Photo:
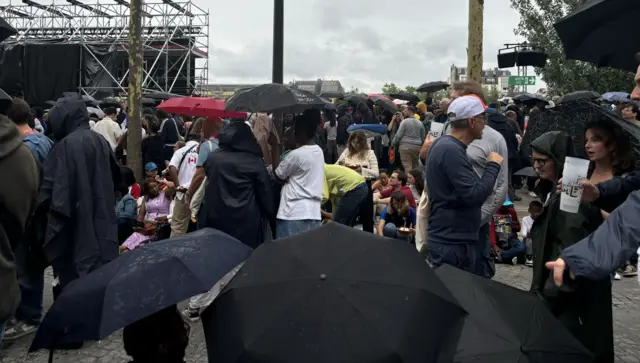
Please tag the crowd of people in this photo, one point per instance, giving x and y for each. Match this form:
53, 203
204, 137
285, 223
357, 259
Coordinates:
75, 204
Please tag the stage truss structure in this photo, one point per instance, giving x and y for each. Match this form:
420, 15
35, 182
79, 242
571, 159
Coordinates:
175, 37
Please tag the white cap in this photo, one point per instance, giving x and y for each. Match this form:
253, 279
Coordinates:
466, 107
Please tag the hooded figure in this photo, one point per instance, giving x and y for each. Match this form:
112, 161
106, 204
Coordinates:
78, 189
18, 197
238, 197
583, 307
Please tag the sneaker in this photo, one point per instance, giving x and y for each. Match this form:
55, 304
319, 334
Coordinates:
630, 271
514, 261
533, 195
617, 277
529, 262
193, 315
19, 330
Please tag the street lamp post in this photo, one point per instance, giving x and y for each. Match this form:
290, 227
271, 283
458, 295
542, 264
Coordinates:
278, 41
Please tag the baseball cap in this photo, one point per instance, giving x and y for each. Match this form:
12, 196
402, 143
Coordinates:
466, 107
150, 166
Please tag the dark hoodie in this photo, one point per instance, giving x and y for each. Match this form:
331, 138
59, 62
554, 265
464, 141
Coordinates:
500, 123
78, 189
344, 121
18, 197
239, 197
585, 306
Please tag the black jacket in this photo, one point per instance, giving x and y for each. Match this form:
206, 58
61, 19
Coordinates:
615, 191
501, 124
78, 188
239, 197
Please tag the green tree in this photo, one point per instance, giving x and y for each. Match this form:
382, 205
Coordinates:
438, 96
354, 90
390, 88
561, 75
411, 89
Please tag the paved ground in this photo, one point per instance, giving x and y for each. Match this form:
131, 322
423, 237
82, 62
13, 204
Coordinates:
626, 300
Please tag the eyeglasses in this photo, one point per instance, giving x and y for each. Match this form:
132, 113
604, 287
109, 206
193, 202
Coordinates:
483, 116
540, 161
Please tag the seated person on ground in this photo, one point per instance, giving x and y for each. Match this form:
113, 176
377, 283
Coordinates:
398, 219
507, 248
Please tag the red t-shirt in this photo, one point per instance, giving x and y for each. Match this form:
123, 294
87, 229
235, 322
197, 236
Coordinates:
135, 191
405, 190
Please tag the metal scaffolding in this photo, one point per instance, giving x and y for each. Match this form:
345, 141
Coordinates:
175, 38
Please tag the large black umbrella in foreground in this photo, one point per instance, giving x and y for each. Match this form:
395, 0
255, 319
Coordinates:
602, 32
6, 30
507, 325
572, 117
335, 295
137, 284
273, 97
433, 86
405, 96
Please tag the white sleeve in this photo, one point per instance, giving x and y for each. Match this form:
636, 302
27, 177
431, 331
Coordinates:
177, 156
525, 227
286, 166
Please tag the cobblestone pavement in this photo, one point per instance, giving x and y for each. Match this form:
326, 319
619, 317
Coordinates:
626, 301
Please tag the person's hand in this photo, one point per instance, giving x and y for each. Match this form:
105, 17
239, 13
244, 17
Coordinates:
495, 157
412, 231
557, 267
123, 249
427, 142
590, 191
357, 168
497, 250
162, 219
559, 186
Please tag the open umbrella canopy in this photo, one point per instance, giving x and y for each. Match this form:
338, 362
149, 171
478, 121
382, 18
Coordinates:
405, 96
334, 294
384, 102
331, 94
528, 98
273, 97
529, 171
433, 86
198, 107
6, 30
589, 33
580, 95
356, 98
616, 97
137, 284
507, 325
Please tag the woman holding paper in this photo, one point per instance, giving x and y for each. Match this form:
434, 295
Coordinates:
585, 307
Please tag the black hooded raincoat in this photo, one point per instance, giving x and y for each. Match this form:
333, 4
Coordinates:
78, 189
239, 198
583, 307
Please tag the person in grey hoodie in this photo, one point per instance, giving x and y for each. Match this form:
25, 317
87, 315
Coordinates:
410, 136
18, 197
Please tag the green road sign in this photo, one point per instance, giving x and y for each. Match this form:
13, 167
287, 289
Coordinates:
522, 80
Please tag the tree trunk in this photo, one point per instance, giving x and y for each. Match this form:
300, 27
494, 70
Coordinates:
474, 48
134, 124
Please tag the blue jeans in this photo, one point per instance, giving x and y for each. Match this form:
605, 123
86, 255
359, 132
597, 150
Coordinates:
287, 228
348, 206
484, 265
391, 231
516, 249
462, 256
30, 308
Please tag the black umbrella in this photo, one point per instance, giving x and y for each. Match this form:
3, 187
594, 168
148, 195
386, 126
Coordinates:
529, 171
137, 284
334, 294
508, 325
385, 104
356, 98
273, 97
331, 94
163, 96
572, 117
433, 86
6, 30
4, 96
405, 96
528, 98
580, 95
329, 106
600, 32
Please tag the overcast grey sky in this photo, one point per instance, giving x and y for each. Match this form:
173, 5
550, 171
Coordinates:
363, 43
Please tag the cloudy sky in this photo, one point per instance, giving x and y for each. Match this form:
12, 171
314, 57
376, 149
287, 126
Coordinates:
362, 43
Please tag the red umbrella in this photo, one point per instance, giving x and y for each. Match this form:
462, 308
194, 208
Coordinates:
198, 107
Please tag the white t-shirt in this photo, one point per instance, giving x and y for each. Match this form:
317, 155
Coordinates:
527, 223
332, 131
303, 170
110, 130
188, 167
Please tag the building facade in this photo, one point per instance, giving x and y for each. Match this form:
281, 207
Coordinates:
491, 78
